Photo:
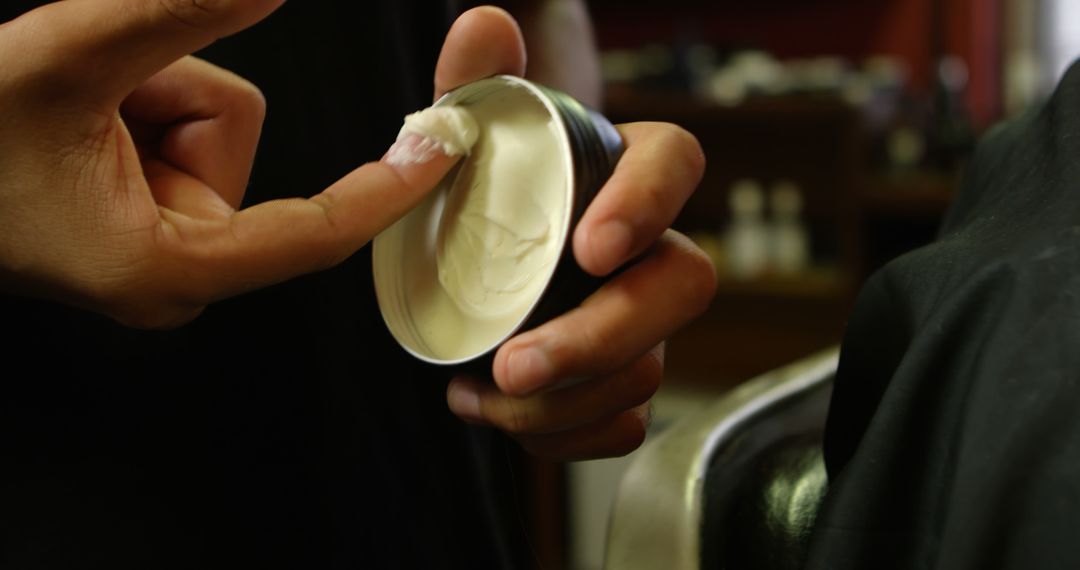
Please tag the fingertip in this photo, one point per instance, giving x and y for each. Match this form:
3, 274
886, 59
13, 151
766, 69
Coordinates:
635, 432
613, 437
463, 399
477, 14
499, 370
583, 252
522, 369
482, 42
602, 248
419, 161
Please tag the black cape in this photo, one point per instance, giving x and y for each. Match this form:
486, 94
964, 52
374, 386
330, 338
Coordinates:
953, 440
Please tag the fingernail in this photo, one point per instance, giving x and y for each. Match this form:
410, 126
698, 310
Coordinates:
529, 369
464, 400
611, 243
411, 148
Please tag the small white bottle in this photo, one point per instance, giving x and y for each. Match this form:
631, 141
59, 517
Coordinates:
747, 237
789, 240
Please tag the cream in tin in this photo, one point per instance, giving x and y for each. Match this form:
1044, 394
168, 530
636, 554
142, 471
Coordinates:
498, 238
487, 253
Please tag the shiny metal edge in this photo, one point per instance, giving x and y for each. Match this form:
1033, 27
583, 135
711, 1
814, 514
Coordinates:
657, 515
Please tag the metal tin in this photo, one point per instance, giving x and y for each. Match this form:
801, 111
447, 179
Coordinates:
404, 255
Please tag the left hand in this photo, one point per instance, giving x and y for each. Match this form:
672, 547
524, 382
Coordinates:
578, 386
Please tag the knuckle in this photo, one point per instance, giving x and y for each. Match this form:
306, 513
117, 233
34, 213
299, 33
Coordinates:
645, 413
557, 447
148, 310
194, 13
139, 296
592, 343
542, 449
515, 417
633, 436
140, 307
157, 317
326, 245
628, 436
689, 148
656, 194
629, 441
648, 373
621, 437
330, 249
700, 280
637, 383
250, 98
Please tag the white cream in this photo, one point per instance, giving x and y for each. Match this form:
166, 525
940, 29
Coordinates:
450, 128
498, 240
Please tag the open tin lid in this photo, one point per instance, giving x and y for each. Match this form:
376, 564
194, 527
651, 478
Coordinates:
448, 312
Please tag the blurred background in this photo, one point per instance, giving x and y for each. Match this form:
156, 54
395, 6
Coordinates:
836, 133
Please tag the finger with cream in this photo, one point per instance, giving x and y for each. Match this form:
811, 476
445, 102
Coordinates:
450, 130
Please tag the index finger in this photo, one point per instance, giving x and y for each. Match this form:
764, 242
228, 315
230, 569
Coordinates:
280, 239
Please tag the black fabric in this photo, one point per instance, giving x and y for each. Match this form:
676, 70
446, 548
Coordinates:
954, 435
282, 428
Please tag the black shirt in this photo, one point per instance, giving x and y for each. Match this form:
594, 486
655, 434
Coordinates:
953, 441
283, 428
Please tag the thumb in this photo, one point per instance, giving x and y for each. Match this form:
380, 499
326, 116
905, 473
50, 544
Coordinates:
482, 42
104, 49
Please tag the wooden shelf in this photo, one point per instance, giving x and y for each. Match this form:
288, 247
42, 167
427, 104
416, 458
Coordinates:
627, 103
750, 326
916, 195
817, 284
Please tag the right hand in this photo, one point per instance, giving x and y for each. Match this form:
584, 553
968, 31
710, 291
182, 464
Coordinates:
123, 162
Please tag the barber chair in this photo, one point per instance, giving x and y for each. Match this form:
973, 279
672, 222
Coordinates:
735, 487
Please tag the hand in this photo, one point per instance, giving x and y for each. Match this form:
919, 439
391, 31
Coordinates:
578, 386
123, 163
